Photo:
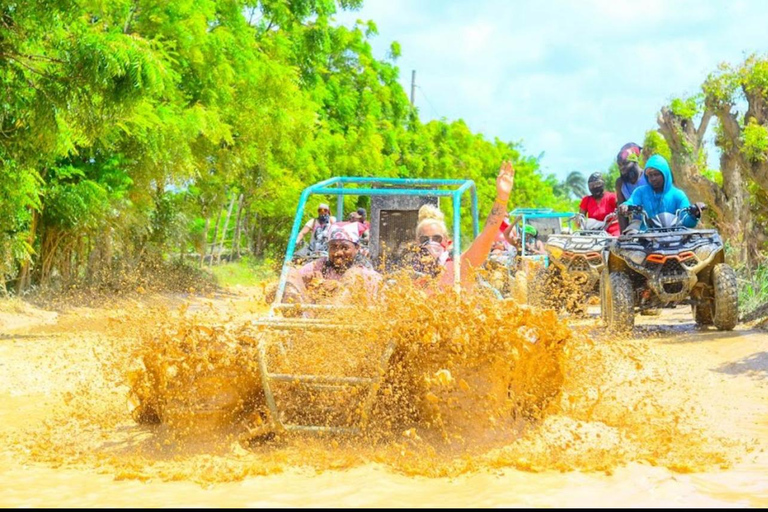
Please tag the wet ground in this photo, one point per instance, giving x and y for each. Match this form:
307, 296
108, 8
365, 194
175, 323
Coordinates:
707, 390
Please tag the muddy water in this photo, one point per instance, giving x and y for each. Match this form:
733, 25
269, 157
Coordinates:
674, 416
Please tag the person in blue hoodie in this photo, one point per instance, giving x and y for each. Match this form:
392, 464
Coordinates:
660, 195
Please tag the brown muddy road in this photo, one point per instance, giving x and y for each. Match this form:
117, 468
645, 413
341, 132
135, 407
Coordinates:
712, 386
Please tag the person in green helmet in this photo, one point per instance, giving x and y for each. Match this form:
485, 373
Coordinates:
532, 243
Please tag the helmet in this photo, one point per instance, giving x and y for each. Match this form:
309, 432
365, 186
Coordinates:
629, 152
530, 230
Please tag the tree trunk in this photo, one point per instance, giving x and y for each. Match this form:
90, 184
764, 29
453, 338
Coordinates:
257, 245
204, 247
224, 231
24, 273
215, 236
236, 241
737, 171
729, 203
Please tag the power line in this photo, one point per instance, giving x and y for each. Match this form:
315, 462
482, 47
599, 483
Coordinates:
428, 102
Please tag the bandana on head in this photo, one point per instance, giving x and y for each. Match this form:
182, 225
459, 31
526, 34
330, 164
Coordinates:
629, 152
347, 231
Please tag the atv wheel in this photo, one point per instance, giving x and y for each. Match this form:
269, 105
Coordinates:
726, 302
617, 304
603, 307
702, 313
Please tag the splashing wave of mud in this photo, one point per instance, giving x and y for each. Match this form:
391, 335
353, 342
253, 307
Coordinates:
473, 383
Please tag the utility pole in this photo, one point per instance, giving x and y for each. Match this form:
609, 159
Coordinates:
413, 86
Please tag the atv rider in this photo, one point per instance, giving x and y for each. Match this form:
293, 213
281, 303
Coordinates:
319, 228
343, 266
599, 203
434, 243
660, 195
631, 175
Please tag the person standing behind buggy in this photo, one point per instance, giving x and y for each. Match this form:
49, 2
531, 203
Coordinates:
319, 228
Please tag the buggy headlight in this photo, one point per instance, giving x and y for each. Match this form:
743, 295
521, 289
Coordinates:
704, 251
636, 257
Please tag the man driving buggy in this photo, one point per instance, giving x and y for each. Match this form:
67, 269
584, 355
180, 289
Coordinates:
338, 275
660, 195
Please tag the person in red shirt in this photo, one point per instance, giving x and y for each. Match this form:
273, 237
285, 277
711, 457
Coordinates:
599, 203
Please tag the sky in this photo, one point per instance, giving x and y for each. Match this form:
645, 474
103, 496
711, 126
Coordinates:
574, 80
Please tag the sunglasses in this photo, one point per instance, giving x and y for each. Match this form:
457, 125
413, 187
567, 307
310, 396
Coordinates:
434, 238
324, 211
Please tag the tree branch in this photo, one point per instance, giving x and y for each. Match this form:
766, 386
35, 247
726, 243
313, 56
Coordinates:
704, 124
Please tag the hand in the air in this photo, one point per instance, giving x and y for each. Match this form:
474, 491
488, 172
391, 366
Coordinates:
505, 181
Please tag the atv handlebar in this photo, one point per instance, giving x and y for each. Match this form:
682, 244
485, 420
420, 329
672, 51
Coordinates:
631, 209
695, 209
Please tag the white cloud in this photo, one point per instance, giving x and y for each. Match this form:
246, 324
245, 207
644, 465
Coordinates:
575, 79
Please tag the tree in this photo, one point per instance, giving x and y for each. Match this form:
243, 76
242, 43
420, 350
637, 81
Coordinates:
743, 142
573, 186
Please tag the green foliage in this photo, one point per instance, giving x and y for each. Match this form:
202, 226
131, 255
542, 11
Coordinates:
129, 126
753, 287
720, 87
574, 186
686, 108
611, 176
755, 141
654, 144
247, 271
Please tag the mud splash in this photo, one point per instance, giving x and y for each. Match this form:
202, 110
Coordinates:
444, 408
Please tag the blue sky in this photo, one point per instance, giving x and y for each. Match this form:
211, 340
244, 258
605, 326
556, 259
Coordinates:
572, 79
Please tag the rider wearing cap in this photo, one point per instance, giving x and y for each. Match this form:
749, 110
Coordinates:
660, 195
342, 265
599, 203
317, 226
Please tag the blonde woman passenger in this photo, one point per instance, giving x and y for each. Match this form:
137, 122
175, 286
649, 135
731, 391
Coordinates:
435, 244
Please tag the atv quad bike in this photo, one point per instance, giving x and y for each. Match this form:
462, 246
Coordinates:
576, 264
666, 265
532, 266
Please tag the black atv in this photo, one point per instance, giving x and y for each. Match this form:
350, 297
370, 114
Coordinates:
666, 265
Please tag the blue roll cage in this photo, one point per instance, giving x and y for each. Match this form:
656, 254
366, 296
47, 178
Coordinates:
405, 186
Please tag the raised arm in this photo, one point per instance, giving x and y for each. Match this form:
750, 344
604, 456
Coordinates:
481, 247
